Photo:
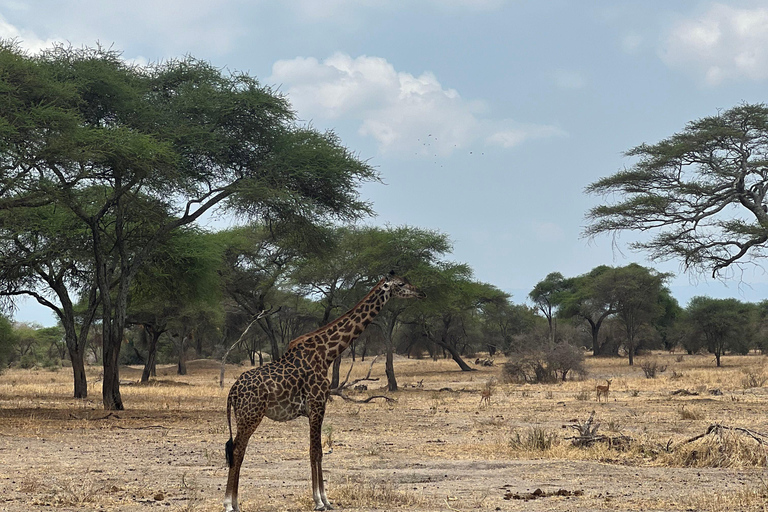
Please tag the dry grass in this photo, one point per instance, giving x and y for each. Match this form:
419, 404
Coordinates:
436, 448
375, 494
752, 499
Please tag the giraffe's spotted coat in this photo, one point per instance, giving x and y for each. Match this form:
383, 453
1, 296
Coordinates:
297, 385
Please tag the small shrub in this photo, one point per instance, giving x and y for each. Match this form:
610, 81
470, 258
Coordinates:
676, 375
328, 441
533, 439
634, 393
547, 365
753, 379
27, 361
651, 368
679, 358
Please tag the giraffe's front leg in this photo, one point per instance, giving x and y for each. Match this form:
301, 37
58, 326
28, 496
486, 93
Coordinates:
316, 458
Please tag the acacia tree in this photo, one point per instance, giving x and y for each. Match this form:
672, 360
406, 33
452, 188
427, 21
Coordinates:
179, 280
590, 297
638, 292
545, 296
502, 322
701, 193
43, 255
135, 152
720, 323
256, 261
453, 301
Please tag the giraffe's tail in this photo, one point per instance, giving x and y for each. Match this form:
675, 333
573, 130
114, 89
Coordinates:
229, 449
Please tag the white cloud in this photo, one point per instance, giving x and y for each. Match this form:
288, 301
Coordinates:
26, 38
724, 43
401, 111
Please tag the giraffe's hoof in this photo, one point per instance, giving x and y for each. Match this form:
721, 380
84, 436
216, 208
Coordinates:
319, 507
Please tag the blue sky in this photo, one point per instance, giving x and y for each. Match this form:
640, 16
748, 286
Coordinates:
486, 118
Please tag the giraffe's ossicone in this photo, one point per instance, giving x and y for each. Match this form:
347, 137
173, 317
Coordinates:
297, 385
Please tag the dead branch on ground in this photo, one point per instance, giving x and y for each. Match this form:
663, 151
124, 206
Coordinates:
338, 392
717, 429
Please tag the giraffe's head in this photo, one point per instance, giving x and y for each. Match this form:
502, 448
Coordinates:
401, 288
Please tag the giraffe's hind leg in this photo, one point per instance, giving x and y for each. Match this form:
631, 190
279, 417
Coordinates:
245, 428
316, 458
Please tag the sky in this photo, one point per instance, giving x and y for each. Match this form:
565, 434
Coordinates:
486, 119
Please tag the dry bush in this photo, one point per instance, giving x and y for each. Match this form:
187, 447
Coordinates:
753, 378
651, 368
77, 491
723, 448
534, 439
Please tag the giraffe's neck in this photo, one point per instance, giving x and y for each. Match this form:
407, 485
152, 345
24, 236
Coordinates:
332, 339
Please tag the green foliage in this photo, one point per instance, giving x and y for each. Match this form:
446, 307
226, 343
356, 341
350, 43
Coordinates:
7, 341
720, 324
34, 346
546, 295
135, 152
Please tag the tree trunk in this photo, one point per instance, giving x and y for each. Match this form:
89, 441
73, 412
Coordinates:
182, 368
390, 369
110, 386
149, 364
76, 345
77, 357
335, 372
78, 370
455, 356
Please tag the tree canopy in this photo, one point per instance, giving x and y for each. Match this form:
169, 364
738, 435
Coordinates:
135, 152
700, 193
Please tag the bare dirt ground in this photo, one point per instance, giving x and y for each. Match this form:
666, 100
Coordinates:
433, 449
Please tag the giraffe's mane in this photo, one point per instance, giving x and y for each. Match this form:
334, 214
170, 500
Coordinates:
340, 319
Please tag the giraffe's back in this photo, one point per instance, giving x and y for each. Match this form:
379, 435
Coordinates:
279, 390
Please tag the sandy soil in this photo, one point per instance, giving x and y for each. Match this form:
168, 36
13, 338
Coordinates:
431, 450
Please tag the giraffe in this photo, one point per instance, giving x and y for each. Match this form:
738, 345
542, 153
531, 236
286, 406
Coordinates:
297, 385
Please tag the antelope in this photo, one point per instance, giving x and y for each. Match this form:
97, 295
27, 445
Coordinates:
485, 396
603, 390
